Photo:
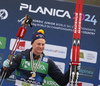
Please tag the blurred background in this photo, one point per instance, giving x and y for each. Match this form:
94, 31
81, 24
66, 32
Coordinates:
88, 2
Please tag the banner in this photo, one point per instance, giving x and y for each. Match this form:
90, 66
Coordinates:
56, 18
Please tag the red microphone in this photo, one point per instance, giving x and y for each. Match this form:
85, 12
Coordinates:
21, 32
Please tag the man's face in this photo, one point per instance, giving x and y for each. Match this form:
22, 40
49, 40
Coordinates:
38, 46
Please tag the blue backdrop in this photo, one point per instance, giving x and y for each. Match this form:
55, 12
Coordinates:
56, 18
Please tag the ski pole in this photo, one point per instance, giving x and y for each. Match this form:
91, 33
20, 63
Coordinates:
20, 34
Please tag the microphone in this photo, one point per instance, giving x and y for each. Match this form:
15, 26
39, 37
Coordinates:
21, 32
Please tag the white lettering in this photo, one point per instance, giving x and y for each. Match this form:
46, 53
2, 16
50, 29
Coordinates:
0, 43
21, 48
25, 6
22, 32
45, 10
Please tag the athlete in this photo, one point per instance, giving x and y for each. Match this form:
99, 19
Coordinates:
32, 65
